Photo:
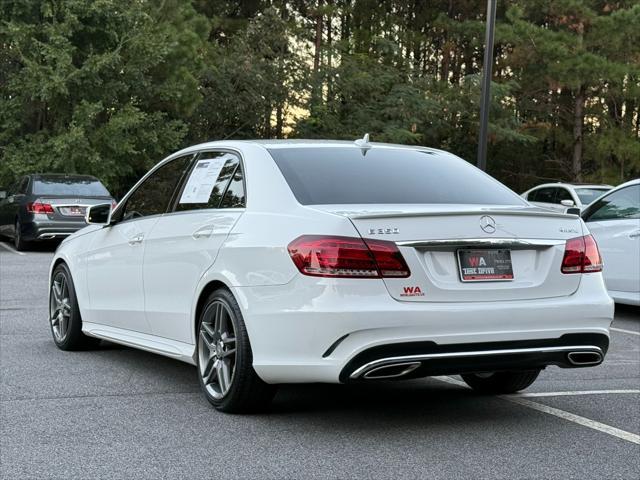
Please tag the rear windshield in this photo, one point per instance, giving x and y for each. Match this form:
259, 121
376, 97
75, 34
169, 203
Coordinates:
588, 195
80, 187
343, 175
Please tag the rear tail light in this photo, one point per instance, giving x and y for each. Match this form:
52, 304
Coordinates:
581, 255
347, 257
39, 207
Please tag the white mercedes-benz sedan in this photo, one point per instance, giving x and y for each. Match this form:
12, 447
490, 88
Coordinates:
268, 262
614, 221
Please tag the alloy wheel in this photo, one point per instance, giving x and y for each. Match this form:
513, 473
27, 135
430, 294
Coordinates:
60, 307
217, 349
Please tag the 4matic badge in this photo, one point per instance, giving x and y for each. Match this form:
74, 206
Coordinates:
412, 292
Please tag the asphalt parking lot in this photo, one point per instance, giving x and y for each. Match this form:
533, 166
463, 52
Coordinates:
121, 413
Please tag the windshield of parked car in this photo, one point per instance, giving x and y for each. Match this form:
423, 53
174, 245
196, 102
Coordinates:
349, 175
588, 195
69, 186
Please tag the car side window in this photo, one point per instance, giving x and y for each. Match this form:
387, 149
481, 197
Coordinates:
212, 175
563, 194
546, 195
153, 196
622, 204
234, 196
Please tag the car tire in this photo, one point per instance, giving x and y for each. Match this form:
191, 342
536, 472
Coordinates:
64, 314
500, 382
224, 358
18, 242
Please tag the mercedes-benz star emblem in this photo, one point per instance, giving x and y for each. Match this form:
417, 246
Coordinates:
487, 224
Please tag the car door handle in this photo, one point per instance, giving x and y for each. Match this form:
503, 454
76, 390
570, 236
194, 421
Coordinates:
136, 240
203, 232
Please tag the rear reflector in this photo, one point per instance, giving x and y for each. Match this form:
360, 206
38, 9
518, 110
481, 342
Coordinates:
347, 257
581, 255
39, 207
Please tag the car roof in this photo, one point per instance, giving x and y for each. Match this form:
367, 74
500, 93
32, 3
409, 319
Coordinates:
572, 185
61, 176
303, 143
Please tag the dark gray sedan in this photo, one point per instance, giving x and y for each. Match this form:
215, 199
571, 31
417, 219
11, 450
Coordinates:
48, 206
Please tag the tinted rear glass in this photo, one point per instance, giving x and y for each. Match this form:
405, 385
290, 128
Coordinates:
343, 175
81, 187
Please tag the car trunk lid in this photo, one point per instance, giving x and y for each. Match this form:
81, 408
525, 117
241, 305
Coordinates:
70, 209
432, 238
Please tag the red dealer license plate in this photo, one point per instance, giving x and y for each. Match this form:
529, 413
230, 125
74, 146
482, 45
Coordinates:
485, 265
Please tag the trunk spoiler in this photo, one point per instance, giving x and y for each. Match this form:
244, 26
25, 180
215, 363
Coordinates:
426, 213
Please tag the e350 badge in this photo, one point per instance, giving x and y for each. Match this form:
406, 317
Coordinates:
412, 292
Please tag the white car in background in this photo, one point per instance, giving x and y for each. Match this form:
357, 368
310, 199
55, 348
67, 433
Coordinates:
614, 220
269, 262
560, 196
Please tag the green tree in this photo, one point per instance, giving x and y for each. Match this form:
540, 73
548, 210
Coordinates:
99, 87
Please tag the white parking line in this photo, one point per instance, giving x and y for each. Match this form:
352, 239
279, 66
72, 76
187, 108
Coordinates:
624, 331
585, 422
579, 392
11, 249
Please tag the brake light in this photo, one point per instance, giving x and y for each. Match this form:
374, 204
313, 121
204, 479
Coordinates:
592, 258
581, 255
39, 207
347, 257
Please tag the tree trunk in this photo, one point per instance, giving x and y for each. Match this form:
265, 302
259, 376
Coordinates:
578, 121
329, 48
318, 40
279, 121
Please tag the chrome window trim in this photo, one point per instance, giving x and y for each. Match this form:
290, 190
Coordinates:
512, 243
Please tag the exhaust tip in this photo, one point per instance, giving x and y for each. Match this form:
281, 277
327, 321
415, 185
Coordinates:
391, 371
584, 358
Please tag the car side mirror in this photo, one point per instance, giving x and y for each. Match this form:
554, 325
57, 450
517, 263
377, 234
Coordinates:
572, 210
3, 194
99, 214
568, 203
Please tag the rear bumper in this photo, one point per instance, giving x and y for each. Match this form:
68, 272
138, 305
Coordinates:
40, 230
411, 360
330, 326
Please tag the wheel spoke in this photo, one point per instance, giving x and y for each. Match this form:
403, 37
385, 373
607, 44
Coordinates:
217, 317
62, 325
57, 294
229, 352
206, 342
209, 372
62, 285
223, 376
208, 330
